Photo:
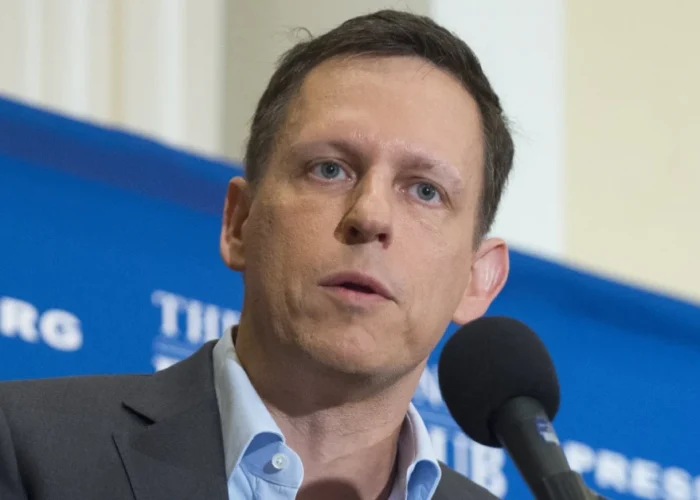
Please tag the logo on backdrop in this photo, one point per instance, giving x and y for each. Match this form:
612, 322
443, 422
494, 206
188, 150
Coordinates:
56, 328
638, 477
186, 324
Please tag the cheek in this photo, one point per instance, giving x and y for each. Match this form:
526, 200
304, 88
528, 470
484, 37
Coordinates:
285, 233
299, 225
438, 293
303, 221
439, 268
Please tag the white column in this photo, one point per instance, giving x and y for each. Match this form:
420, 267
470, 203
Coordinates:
152, 66
101, 42
21, 49
204, 75
171, 90
56, 42
171, 67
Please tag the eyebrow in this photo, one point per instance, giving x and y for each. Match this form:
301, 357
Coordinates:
352, 149
444, 169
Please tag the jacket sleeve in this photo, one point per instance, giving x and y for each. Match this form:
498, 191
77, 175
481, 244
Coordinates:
10, 481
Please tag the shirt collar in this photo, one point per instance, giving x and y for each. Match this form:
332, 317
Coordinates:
244, 416
418, 468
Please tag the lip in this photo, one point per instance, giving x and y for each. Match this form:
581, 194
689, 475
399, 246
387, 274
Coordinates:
358, 278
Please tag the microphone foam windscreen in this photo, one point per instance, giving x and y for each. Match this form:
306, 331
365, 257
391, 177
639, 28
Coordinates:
488, 362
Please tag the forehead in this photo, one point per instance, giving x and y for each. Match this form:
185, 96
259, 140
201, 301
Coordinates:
390, 103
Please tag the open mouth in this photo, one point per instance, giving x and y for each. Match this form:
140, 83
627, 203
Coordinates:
356, 287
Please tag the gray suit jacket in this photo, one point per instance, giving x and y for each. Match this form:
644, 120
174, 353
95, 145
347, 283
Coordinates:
142, 437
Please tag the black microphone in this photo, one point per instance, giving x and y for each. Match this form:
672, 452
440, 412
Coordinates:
500, 386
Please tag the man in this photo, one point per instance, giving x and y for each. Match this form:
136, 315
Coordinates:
375, 164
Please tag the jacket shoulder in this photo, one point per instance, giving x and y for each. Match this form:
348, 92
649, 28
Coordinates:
99, 396
84, 394
455, 486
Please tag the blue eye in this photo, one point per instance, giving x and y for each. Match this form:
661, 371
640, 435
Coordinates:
426, 192
329, 170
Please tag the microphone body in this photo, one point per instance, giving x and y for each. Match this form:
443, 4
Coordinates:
525, 431
499, 384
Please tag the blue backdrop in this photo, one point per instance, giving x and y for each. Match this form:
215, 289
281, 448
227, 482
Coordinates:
109, 264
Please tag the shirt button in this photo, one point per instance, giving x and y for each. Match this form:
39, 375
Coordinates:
280, 461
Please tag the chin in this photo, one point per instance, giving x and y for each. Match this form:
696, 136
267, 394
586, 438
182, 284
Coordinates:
353, 351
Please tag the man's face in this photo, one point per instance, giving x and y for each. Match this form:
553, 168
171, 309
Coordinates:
358, 244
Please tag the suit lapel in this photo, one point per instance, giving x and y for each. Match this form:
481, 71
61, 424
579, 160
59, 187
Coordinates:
454, 486
175, 449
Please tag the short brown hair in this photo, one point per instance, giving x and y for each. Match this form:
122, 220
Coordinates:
388, 33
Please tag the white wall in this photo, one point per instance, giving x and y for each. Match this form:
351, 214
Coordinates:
520, 45
260, 31
633, 140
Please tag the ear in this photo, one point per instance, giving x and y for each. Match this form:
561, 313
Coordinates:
489, 272
236, 210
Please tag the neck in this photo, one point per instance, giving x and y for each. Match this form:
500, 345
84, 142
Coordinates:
344, 427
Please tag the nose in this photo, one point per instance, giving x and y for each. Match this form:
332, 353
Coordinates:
369, 217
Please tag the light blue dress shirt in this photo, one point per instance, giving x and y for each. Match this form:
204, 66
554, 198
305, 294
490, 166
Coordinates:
259, 464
